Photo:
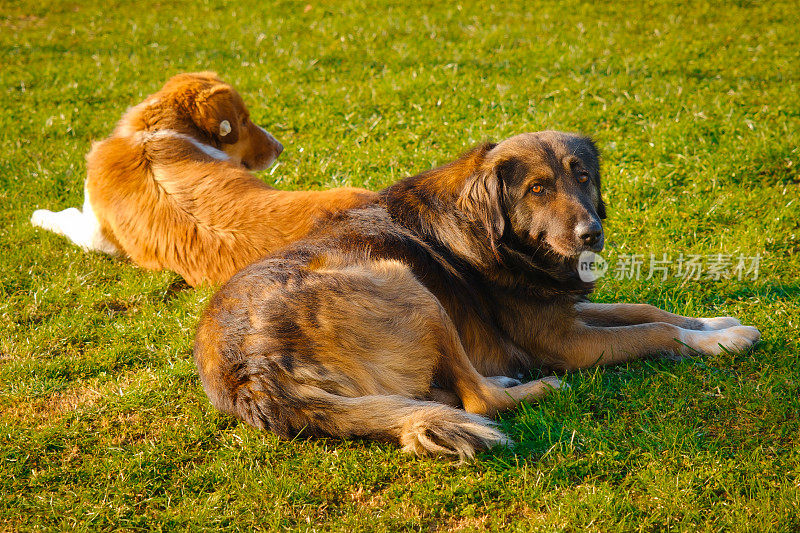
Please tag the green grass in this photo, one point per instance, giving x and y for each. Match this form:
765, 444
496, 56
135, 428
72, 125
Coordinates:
696, 108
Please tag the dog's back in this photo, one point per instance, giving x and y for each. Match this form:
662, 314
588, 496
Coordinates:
169, 204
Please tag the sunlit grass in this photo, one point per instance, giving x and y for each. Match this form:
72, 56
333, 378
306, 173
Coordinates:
103, 423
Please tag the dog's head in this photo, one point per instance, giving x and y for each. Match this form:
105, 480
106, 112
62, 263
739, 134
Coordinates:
206, 108
538, 192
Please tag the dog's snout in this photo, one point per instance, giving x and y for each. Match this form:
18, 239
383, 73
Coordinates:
275, 142
271, 140
589, 233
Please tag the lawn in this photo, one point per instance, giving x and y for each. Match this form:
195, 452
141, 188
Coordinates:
696, 109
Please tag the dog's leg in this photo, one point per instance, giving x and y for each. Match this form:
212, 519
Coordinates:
479, 394
444, 396
483, 396
82, 228
450, 398
583, 346
597, 314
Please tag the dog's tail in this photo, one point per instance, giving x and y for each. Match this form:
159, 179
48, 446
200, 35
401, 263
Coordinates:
436, 429
420, 427
289, 409
290, 398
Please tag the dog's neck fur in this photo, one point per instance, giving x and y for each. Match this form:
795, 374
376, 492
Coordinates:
429, 205
147, 117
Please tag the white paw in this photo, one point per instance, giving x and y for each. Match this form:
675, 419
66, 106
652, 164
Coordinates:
40, 218
734, 339
504, 381
719, 322
59, 222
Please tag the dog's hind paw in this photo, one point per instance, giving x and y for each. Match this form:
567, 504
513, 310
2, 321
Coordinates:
555, 382
504, 381
62, 222
40, 218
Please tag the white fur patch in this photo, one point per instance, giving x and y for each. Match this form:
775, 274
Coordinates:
205, 148
82, 228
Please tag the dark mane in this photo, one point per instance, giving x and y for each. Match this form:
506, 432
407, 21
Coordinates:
427, 205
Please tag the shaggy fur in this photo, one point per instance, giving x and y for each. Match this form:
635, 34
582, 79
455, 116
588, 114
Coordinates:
459, 273
170, 187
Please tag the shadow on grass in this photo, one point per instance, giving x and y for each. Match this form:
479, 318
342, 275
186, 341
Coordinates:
175, 289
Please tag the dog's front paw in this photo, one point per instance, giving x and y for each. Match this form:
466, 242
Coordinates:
739, 338
734, 339
719, 322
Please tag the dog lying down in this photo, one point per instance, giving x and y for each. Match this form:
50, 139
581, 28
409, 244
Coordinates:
170, 187
461, 272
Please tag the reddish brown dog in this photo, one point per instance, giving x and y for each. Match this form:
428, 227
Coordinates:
459, 273
170, 187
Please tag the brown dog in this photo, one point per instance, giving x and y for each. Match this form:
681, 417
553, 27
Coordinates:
465, 271
170, 187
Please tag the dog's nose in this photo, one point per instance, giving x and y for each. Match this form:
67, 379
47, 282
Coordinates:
589, 233
278, 147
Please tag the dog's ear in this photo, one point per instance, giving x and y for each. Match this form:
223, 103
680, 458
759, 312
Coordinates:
601, 205
591, 156
482, 197
215, 112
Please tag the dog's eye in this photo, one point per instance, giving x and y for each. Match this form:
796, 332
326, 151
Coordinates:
583, 177
536, 189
